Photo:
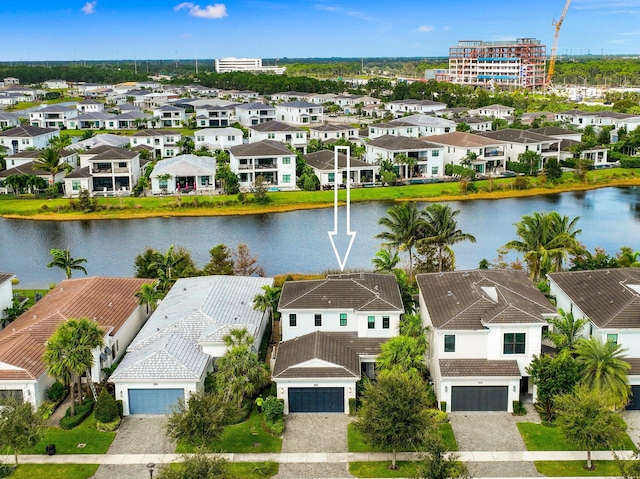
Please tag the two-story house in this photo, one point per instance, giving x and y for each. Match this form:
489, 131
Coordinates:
490, 154
400, 108
269, 159
335, 131
89, 106
184, 174
520, 141
493, 111
486, 326
170, 116
323, 164
429, 158
163, 142
214, 116
299, 113
255, 113
105, 169
278, 131
332, 330
52, 116
217, 138
20, 138
609, 299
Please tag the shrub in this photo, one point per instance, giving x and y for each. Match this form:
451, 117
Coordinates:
353, 406
108, 426
630, 162
439, 417
273, 408
46, 410
276, 428
82, 412
120, 408
522, 183
518, 409
443, 406
106, 408
6, 470
57, 392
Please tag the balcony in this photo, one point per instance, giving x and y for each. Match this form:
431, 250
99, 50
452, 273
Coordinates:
121, 170
492, 153
101, 170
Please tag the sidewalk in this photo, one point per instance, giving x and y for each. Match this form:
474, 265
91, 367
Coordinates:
293, 458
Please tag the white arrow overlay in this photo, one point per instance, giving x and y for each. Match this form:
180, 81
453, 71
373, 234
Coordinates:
332, 234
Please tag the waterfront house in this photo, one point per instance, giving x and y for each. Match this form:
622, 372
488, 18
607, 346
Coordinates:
323, 164
278, 131
184, 174
269, 159
217, 138
429, 156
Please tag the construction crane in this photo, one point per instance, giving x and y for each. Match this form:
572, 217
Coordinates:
554, 49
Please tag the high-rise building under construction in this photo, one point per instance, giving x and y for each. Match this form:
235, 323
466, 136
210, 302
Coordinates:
515, 64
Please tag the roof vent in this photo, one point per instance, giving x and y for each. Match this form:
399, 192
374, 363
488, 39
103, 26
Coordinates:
449, 293
110, 304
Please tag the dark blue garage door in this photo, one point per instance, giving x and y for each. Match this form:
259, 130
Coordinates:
316, 399
479, 398
153, 401
634, 403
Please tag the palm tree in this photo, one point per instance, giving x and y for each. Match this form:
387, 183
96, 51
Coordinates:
400, 159
12, 312
386, 261
62, 259
69, 351
627, 258
149, 296
165, 267
60, 142
404, 354
411, 163
545, 239
238, 337
442, 231
405, 227
411, 325
468, 159
51, 162
565, 331
268, 300
604, 368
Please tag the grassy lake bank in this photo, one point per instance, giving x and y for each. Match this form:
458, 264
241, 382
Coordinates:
221, 205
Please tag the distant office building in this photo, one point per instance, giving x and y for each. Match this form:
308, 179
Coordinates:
518, 64
232, 64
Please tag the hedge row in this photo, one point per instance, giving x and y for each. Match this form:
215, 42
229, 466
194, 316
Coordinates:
82, 412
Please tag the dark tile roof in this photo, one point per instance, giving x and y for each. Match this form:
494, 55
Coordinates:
401, 143
155, 133
605, 296
471, 300
26, 169
36, 154
323, 160
255, 106
479, 368
635, 366
115, 153
5, 277
517, 136
261, 148
274, 126
332, 127
341, 349
554, 131
80, 173
26, 130
299, 104
357, 291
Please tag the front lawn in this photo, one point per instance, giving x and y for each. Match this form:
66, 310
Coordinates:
66, 442
356, 442
538, 437
247, 470
248, 436
55, 471
576, 468
381, 469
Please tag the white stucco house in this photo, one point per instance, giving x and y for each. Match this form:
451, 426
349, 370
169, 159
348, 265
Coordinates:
486, 326
332, 330
429, 156
300, 113
111, 302
52, 116
323, 164
269, 159
217, 138
279, 131
20, 138
163, 142
184, 174
6, 291
255, 113
171, 356
169, 116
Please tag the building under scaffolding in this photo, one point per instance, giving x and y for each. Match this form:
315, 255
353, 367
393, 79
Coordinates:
512, 64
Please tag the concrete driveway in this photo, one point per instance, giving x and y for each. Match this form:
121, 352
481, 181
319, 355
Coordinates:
632, 418
139, 434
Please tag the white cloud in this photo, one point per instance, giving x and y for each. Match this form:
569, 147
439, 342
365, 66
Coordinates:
446, 28
217, 10
424, 28
346, 11
89, 7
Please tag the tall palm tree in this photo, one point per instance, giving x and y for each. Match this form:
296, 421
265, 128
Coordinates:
268, 300
165, 267
411, 163
60, 142
604, 368
12, 312
62, 259
51, 162
411, 325
386, 261
545, 239
565, 331
238, 337
149, 296
442, 231
401, 160
627, 258
405, 227
404, 354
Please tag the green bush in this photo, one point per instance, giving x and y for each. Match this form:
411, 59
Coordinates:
439, 417
443, 406
522, 183
519, 167
106, 408
57, 392
276, 428
120, 408
273, 409
108, 426
82, 412
46, 409
6, 469
353, 406
630, 162
518, 408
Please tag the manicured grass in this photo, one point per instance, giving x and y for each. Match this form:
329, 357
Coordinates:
248, 436
66, 442
356, 443
30, 293
55, 471
254, 470
576, 468
132, 207
538, 437
381, 469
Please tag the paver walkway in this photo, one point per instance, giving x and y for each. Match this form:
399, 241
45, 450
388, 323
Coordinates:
54, 419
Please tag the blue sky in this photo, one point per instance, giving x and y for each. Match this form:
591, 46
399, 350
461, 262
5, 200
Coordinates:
165, 29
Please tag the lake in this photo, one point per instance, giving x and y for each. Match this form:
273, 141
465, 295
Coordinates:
298, 241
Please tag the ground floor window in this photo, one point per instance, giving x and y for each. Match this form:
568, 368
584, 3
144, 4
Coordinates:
286, 178
75, 185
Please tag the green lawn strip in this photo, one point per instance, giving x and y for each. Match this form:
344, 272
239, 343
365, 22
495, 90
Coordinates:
254, 470
356, 443
248, 436
576, 468
381, 469
538, 437
66, 442
55, 471
30, 293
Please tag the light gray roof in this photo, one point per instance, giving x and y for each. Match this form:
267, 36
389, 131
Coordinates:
254, 106
401, 143
107, 139
97, 115
227, 131
298, 104
186, 165
422, 120
196, 310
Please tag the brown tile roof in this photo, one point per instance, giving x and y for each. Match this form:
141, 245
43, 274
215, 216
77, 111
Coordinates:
341, 349
479, 368
25, 169
108, 301
462, 139
357, 291
473, 299
402, 143
635, 366
324, 160
605, 296
261, 148
274, 126
156, 133
517, 136
114, 153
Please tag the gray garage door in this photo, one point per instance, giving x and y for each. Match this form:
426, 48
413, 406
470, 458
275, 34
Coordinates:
479, 398
634, 405
153, 401
316, 399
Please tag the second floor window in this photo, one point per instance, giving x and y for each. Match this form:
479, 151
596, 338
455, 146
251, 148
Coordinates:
343, 319
612, 338
318, 320
293, 320
449, 343
385, 322
371, 322
514, 343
